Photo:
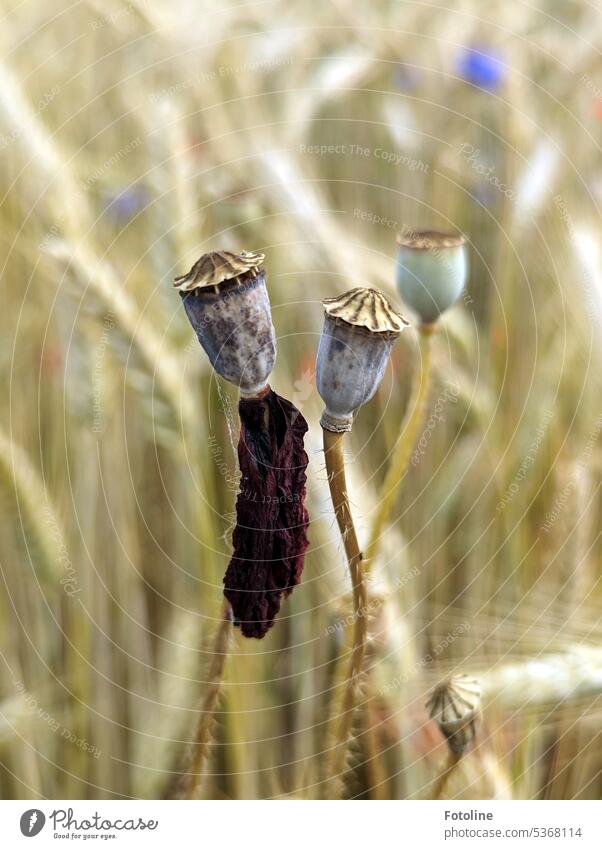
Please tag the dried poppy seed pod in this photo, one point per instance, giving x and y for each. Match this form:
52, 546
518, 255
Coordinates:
226, 300
455, 705
431, 271
227, 303
360, 328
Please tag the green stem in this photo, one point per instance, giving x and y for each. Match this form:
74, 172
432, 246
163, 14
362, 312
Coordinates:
403, 447
335, 467
441, 782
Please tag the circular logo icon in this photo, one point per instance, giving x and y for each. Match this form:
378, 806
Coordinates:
32, 822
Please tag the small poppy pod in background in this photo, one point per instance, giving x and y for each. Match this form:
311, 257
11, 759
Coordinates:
432, 268
359, 330
455, 705
226, 300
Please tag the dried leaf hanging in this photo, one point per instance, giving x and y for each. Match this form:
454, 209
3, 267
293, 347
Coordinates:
270, 535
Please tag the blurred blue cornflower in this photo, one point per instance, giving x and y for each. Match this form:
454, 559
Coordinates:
125, 204
481, 67
405, 77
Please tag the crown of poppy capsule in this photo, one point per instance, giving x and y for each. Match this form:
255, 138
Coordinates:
455, 705
227, 303
359, 330
431, 271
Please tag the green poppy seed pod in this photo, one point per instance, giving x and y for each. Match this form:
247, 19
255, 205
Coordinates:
360, 328
227, 303
431, 271
455, 705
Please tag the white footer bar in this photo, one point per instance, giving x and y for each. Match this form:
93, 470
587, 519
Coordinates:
301, 825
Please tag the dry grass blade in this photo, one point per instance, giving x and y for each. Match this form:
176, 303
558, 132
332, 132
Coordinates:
36, 514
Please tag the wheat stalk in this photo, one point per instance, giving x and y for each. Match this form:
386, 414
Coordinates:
35, 509
545, 680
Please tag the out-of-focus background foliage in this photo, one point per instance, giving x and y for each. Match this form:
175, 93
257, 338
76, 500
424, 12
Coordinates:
134, 137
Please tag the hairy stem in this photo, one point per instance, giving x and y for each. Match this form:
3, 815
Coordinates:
440, 784
202, 739
335, 467
403, 447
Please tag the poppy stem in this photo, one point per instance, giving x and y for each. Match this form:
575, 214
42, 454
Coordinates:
335, 467
403, 447
202, 739
451, 763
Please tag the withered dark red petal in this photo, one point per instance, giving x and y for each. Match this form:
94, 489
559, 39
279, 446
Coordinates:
270, 538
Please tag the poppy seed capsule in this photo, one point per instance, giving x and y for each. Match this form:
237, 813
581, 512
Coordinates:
455, 705
360, 328
431, 271
227, 303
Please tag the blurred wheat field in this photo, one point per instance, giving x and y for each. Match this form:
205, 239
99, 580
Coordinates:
136, 136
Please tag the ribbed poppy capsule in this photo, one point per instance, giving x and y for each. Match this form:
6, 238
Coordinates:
227, 303
359, 330
455, 705
432, 268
